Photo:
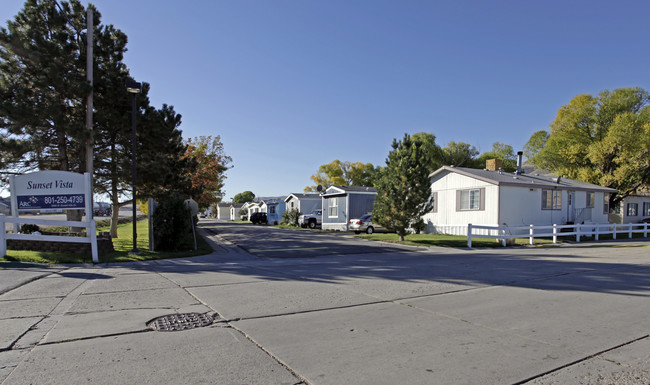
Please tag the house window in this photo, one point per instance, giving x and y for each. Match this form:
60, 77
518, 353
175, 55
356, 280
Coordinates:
605, 203
646, 209
632, 209
272, 209
333, 207
469, 200
292, 205
591, 200
434, 201
551, 200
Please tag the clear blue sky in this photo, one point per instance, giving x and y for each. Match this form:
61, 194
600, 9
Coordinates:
290, 85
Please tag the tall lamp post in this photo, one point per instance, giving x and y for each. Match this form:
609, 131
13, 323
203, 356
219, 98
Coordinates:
134, 88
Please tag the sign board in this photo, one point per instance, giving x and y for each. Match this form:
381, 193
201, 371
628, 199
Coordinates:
192, 206
50, 190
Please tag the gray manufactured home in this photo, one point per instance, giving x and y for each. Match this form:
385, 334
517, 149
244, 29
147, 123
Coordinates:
304, 203
342, 203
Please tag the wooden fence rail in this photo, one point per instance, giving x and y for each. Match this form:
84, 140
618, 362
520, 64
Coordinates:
503, 233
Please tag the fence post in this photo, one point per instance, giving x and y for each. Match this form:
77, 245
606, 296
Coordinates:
531, 239
577, 227
469, 235
504, 240
91, 231
614, 231
631, 227
597, 229
554, 233
645, 230
3, 238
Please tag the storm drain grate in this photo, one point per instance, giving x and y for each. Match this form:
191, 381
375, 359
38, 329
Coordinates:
178, 322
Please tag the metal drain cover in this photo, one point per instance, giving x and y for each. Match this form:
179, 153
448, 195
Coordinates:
177, 322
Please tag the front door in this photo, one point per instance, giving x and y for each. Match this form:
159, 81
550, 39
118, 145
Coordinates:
571, 211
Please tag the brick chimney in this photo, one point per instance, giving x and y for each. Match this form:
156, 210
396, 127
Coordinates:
493, 164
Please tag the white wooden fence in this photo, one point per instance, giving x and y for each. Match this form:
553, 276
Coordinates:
503, 233
90, 226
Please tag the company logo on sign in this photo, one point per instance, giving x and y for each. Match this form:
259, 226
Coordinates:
50, 190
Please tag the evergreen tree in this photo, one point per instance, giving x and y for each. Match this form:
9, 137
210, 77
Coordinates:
403, 189
43, 87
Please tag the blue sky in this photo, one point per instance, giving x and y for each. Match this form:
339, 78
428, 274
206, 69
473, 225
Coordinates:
293, 84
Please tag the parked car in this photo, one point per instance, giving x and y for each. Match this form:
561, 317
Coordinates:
259, 218
365, 224
102, 209
312, 220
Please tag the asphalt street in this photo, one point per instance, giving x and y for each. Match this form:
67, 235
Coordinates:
271, 242
574, 314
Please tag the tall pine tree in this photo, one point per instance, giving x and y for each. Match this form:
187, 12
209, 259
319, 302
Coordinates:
403, 189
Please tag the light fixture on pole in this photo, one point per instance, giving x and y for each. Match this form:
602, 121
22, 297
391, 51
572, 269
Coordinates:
134, 88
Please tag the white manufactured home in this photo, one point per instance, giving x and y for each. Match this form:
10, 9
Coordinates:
497, 198
223, 210
235, 208
633, 209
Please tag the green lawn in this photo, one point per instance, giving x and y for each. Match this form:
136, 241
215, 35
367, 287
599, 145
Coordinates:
122, 244
445, 240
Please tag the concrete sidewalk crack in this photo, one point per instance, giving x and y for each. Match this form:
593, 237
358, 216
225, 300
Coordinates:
96, 337
595, 355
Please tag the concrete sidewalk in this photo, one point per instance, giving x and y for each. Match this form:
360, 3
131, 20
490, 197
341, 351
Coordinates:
506, 316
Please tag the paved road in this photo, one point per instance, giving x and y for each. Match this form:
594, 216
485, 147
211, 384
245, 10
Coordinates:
576, 314
270, 242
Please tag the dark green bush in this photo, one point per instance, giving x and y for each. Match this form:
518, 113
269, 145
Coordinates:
28, 228
419, 226
171, 225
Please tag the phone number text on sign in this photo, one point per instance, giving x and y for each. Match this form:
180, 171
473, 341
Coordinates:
70, 201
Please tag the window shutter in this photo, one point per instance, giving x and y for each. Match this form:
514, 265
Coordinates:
457, 200
482, 204
435, 202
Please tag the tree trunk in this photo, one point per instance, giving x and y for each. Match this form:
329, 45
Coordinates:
116, 209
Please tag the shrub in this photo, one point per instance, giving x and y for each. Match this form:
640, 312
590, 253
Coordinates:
290, 217
29, 228
171, 225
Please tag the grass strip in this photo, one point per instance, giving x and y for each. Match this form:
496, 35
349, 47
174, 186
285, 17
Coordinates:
442, 240
123, 244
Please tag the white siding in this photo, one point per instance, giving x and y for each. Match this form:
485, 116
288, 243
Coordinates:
446, 185
622, 217
223, 212
510, 205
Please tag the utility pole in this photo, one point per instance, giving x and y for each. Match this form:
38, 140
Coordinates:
89, 101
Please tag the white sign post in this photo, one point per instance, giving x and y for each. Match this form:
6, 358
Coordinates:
51, 189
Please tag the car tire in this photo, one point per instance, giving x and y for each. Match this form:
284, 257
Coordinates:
370, 230
312, 224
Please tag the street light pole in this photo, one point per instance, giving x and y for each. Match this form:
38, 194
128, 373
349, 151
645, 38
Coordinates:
134, 88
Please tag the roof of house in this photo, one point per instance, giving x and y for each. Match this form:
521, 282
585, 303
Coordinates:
237, 205
502, 178
348, 189
303, 196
